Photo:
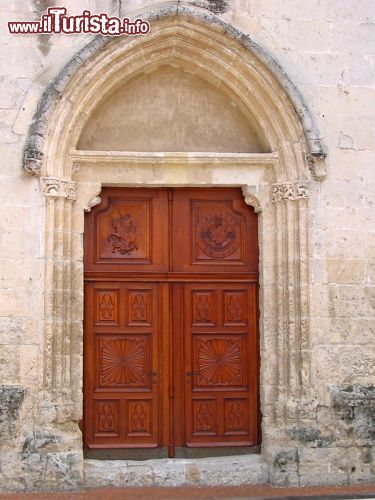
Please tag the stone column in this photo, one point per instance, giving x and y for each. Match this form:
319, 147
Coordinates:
293, 342
60, 195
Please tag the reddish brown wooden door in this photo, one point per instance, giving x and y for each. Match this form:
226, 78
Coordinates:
122, 364
220, 339
170, 348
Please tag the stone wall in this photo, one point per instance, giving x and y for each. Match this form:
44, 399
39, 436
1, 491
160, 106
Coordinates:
328, 51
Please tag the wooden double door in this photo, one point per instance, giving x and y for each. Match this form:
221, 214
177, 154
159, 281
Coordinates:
171, 335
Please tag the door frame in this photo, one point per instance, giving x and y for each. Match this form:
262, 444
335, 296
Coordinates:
169, 377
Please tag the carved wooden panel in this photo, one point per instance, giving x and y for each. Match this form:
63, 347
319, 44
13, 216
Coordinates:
139, 418
218, 230
236, 416
205, 417
106, 306
204, 307
127, 230
214, 231
124, 362
219, 361
107, 417
139, 307
235, 305
124, 230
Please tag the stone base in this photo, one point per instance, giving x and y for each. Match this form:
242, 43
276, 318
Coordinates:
218, 471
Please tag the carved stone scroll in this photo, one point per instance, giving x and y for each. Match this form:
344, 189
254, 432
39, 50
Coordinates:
251, 199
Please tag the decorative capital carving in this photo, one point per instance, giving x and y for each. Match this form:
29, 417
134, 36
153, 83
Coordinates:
251, 199
290, 192
58, 188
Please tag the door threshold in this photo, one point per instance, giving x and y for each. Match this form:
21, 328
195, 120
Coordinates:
217, 451
142, 454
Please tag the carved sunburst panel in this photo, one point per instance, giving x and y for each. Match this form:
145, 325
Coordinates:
219, 361
124, 362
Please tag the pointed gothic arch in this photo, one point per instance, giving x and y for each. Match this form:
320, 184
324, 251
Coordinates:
277, 184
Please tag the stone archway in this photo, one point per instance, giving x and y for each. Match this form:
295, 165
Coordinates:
276, 183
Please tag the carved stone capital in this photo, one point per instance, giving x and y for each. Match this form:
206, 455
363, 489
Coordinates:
290, 192
251, 199
58, 188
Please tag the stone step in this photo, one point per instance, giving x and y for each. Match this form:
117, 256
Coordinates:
215, 471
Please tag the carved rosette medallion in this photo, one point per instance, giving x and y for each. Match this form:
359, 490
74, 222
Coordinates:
124, 237
218, 236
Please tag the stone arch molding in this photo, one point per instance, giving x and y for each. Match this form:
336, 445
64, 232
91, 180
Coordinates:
276, 184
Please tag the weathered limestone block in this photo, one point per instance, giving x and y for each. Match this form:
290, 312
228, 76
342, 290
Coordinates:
136, 475
311, 437
170, 474
283, 466
354, 405
11, 399
52, 471
98, 474
361, 465
322, 466
346, 271
224, 471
